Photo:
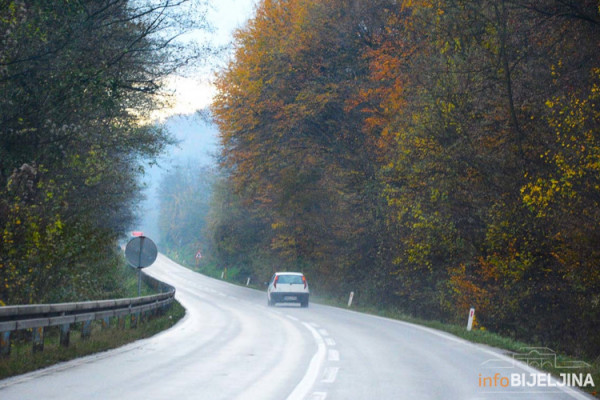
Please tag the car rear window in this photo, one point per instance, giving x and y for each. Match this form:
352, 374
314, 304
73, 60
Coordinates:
294, 279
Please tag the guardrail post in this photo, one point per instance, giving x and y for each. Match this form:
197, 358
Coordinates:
166, 307
65, 335
134, 320
4, 344
86, 329
38, 339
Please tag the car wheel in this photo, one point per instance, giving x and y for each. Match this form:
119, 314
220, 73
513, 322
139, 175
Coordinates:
304, 304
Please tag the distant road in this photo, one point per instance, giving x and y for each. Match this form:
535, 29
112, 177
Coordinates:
231, 345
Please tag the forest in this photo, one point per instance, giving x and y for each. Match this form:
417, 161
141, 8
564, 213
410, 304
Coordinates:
79, 81
429, 155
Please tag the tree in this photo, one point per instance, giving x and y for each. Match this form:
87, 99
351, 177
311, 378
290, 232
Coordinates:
78, 81
291, 131
185, 195
442, 153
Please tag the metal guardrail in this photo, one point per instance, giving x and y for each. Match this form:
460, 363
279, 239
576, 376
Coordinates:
39, 316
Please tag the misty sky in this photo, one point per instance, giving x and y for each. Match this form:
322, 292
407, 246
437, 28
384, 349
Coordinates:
197, 138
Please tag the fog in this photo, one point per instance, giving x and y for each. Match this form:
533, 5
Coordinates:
197, 145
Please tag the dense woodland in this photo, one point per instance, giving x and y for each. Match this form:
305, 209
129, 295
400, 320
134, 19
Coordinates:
185, 202
430, 155
78, 82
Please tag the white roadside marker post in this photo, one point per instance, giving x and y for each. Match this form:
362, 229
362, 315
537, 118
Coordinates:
350, 299
471, 316
248, 281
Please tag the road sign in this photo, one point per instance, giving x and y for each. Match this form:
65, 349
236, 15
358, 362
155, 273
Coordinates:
141, 252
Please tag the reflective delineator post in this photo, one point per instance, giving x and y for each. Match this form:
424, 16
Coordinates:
350, 299
248, 281
471, 316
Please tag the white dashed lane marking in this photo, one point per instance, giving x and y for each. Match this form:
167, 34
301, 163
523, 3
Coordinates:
312, 373
330, 375
333, 355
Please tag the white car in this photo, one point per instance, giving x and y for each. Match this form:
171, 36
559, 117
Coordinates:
288, 287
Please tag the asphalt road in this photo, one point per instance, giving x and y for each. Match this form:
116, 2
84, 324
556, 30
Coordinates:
231, 345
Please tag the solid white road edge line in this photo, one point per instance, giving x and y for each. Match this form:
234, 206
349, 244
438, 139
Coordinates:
312, 373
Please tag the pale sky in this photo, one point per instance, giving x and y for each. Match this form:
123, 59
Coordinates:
194, 93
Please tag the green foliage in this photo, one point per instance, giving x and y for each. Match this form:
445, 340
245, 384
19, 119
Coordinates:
238, 236
79, 81
185, 195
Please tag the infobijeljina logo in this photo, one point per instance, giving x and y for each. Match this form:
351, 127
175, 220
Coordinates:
572, 372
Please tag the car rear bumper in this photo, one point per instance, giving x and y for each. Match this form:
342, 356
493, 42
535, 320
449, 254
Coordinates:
282, 297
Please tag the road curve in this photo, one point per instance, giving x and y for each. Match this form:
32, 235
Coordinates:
231, 345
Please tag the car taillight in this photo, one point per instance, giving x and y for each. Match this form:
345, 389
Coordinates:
275, 282
304, 280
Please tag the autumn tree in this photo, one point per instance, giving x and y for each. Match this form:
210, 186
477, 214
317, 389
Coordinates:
435, 154
472, 130
291, 134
